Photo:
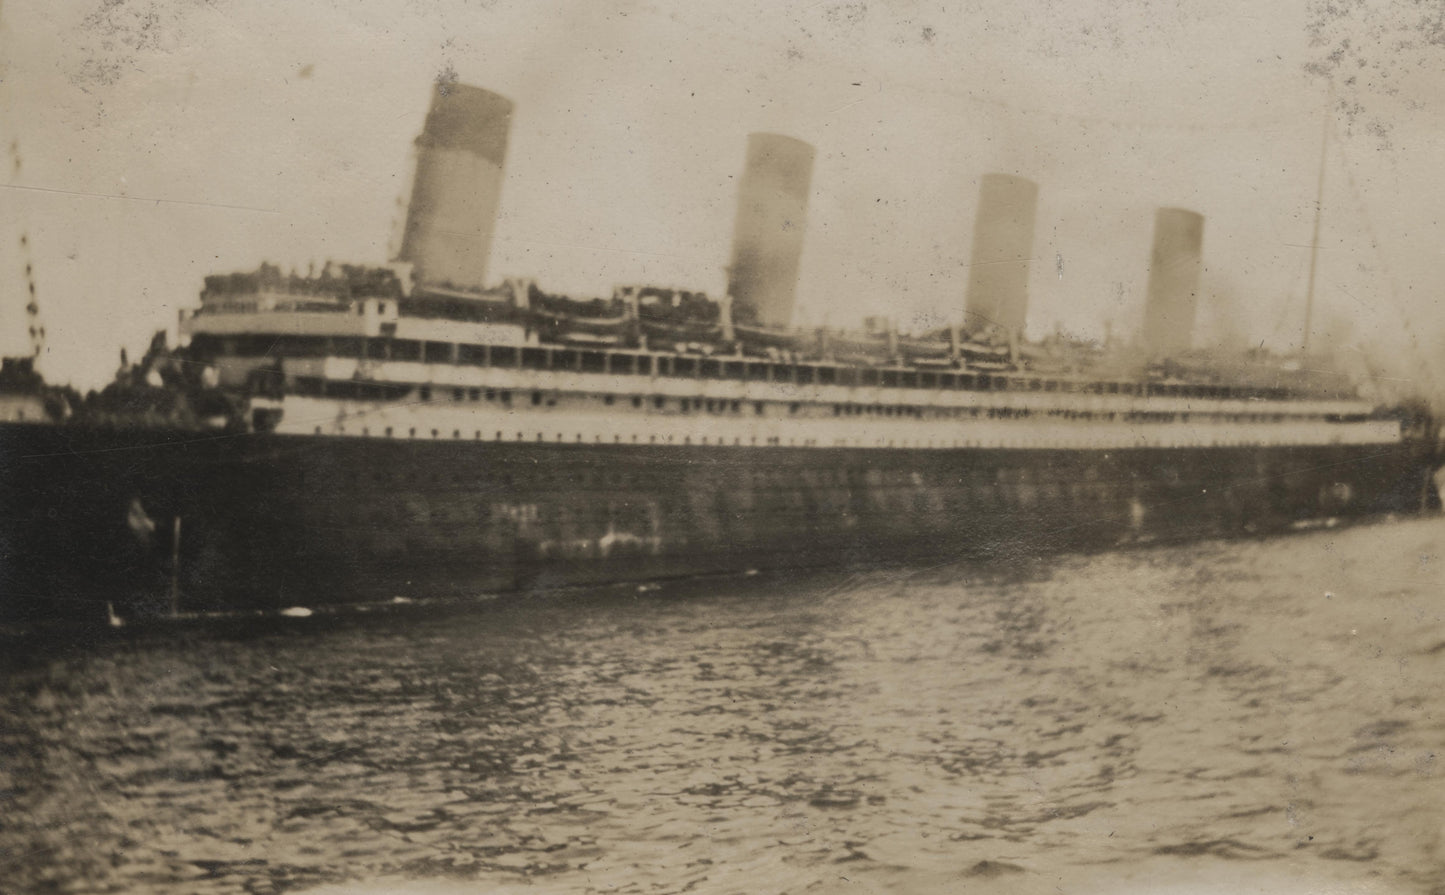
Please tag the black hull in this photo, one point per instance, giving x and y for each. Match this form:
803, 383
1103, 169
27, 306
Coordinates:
273, 521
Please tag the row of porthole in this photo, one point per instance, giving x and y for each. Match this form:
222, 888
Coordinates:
776, 441
616, 439
808, 442
724, 406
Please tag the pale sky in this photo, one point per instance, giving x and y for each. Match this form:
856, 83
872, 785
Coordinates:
162, 140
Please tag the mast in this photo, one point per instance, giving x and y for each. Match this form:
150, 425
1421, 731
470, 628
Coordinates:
1315, 240
32, 307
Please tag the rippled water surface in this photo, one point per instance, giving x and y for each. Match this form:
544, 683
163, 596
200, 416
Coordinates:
1261, 716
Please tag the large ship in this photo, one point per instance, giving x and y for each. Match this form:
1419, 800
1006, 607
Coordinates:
368, 433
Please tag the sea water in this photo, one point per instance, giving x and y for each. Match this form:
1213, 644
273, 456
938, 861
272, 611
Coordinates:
1258, 716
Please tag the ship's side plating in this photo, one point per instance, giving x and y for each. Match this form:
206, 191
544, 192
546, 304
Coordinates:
265, 521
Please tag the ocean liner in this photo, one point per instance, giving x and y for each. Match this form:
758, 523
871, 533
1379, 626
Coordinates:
363, 434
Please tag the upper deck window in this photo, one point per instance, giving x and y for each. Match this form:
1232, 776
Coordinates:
405, 350
346, 346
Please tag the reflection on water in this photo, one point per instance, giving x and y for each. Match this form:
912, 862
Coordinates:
1222, 717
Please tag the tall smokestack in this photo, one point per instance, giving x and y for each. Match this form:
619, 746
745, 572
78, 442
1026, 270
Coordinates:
453, 208
768, 232
1173, 281
1003, 245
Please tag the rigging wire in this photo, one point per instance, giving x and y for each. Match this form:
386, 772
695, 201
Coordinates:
1391, 292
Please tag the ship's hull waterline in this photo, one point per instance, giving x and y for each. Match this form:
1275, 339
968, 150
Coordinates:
149, 523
